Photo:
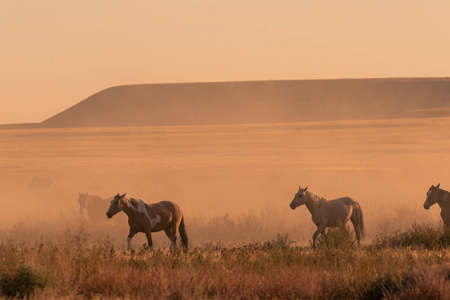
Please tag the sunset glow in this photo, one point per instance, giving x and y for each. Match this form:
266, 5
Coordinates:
55, 54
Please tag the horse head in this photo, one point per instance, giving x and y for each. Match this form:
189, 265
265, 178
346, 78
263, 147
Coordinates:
116, 205
299, 198
432, 196
82, 200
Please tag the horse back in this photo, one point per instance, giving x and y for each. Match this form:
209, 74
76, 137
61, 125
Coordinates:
166, 207
339, 210
343, 201
169, 212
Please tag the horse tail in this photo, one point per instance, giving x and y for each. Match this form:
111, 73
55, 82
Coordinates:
183, 235
360, 220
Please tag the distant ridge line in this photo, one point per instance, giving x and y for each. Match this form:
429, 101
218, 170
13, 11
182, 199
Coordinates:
247, 102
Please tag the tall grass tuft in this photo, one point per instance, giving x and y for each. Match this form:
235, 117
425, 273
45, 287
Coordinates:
340, 237
77, 264
419, 235
22, 282
281, 241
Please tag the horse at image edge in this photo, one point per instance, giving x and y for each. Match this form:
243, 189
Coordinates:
437, 195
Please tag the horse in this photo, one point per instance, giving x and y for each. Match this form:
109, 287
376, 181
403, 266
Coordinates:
41, 183
94, 206
330, 213
148, 218
442, 198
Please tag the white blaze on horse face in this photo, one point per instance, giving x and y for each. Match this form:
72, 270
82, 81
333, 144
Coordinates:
426, 200
431, 199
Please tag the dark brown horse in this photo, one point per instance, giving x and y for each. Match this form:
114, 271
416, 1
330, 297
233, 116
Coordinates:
148, 218
442, 198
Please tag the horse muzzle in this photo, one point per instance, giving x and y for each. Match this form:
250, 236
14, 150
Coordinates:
426, 206
109, 215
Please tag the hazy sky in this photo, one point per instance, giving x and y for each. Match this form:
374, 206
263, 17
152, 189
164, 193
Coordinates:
53, 53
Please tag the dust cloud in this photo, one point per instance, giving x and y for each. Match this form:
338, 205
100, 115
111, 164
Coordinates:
234, 183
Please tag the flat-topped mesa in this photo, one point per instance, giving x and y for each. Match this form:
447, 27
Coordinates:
258, 102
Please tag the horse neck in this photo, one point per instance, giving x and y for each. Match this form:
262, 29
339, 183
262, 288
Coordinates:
90, 198
93, 201
313, 202
444, 196
94, 198
126, 208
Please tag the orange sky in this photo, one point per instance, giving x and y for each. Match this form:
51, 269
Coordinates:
56, 53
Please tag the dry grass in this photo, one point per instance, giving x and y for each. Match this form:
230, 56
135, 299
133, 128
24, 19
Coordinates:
234, 184
73, 265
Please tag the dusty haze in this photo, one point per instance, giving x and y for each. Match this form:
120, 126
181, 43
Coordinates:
233, 182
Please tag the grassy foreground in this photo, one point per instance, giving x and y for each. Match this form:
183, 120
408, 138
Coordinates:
404, 265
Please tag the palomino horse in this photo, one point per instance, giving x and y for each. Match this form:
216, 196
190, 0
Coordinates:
148, 218
94, 206
442, 198
330, 213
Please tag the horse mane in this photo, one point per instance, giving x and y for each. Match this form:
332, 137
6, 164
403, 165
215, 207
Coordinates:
316, 198
446, 196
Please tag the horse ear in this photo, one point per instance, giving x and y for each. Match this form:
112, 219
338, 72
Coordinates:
123, 196
117, 195
305, 189
299, 187
438, 185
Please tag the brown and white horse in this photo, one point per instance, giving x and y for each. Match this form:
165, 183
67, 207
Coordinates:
148, 218
330, 213
442, 198
93, 206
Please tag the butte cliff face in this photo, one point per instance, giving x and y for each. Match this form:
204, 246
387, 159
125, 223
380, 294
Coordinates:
258, 102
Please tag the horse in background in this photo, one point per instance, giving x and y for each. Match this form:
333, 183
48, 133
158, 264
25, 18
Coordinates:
330, 213
42, 183
437, 195
93, 206
148, 218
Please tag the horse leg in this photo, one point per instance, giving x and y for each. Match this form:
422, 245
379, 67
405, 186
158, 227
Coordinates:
446, 219
446, 224
130, 236
148, 233
320, 230
357, 231
172, 235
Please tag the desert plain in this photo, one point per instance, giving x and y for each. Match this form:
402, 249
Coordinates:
234, 184
232, 171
